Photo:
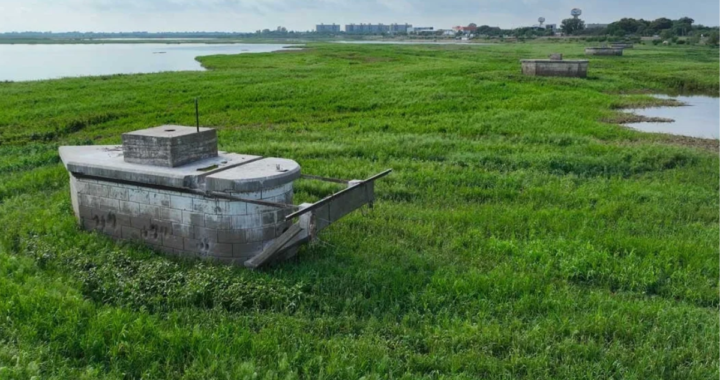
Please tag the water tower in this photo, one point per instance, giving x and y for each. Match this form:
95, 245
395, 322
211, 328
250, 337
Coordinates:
575, 12
541, 20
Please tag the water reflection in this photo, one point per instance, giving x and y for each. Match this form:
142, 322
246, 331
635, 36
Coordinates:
32, 62
699, 118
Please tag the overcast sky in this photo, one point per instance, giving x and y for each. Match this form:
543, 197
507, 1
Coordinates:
250, 15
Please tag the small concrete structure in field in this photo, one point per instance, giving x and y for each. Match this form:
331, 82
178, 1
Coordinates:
622, 45
554, 67
170, 188
556, 57
603, 51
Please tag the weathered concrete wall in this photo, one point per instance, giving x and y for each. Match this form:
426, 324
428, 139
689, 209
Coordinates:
603, 51
169, 145
181, 223
553, 68
622, 45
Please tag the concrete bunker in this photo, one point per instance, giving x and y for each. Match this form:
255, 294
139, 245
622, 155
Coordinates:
170, 188
603, 51
555, 67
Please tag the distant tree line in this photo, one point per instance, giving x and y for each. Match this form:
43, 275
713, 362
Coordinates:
664, 28
680, 27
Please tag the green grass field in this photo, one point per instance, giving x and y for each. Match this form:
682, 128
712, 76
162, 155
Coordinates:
522, 234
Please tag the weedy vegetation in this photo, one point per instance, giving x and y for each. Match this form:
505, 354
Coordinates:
521, 234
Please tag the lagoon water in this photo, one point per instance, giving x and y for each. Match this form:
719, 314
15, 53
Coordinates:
699, 118
24, 62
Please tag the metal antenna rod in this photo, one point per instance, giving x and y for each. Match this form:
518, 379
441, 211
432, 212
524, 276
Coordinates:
197, 115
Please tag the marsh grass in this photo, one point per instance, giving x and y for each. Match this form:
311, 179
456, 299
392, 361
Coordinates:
519, 236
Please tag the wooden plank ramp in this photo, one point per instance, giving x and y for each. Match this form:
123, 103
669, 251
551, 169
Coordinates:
270, 252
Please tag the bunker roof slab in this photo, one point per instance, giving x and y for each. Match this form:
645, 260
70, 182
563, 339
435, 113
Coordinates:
261, 174
106, 161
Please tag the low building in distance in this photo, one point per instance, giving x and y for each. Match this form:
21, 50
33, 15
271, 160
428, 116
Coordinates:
596, 26
421, 29
399, 28
376, 28
470, 29
323, 28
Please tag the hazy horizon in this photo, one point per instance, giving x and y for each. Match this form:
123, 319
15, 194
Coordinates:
300, 15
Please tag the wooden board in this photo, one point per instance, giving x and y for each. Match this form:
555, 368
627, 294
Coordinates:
277, 246
342, 204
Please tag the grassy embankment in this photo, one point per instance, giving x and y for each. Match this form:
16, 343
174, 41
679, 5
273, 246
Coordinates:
520, 236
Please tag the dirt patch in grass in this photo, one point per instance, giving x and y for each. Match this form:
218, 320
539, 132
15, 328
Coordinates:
711, 145
652, 103
627, 118
295, 50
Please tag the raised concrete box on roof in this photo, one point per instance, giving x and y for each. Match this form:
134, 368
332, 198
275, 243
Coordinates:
169, 145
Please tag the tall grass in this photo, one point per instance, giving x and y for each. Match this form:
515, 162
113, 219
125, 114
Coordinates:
519, 236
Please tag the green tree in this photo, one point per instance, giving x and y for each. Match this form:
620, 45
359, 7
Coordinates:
572, 25
489, 30
685, 21
713, 38
627, 25
661, 24
683, 26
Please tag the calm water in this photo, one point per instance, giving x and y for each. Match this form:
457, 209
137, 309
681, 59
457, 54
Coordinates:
33, 62
700, 118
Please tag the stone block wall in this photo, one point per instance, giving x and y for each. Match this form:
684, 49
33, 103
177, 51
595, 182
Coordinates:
181, 223
551, 68
604, 51
169, 146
